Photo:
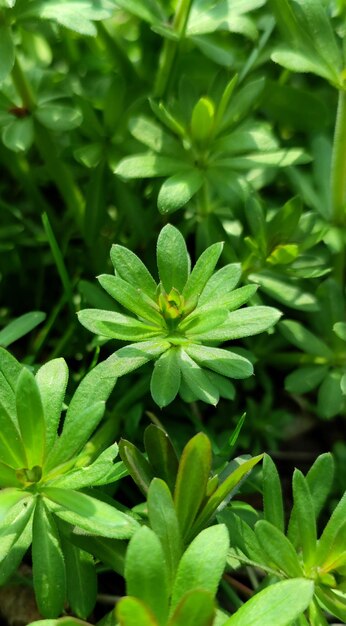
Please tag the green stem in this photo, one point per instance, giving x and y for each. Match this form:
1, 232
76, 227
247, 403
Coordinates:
170, 48
338, 170
22, 86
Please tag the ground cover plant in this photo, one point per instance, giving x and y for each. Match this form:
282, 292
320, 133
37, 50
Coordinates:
172, 320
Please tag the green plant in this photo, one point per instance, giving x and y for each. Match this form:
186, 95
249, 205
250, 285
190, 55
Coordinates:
174, 322
42, 475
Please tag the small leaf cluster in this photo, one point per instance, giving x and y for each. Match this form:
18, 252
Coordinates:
217, 148
174, 322
42, 474
295, 550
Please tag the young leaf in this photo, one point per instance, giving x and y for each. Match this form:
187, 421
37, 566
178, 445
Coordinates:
201, 273
243, 323
116, 325
31, 418
21, 325
195, 608
47, 563
51, 379
81, 581
279, 549
193, 474
196, 379
330, 397
177, 190
306, 520
131, 357
200, 567
132, 298
173, 261
149, 166
131, 269
137, 465
146, 572
132, 612
165, 379
223, 281
278, 604
272, 494
11, 446
161, 454
100, 472
221, 361
336, 521
88, 513
164, 523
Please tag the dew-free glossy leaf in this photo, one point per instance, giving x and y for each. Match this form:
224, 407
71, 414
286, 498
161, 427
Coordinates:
173, 261
201, 273
9, 373
200, 321
146, 572
129, 267
305, 378
165, 379
335, 522
21, 325
201, 566
51, 380
221, 361
100, 472
243, 323
193, 474
196, 379
30, 418
88, 513
75, 14
195, 607
11, 446
18, 136
278, 604
223, 281
137, 465
177, 190
164, 523
330, 399
272, 494
48, 564
132, 612
152, 135
278, 548
131, 357
161, 454
149, 166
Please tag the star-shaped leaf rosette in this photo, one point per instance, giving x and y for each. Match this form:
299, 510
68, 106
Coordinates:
178, 322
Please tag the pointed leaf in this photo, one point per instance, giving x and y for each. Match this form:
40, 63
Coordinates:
195, 608
272, 494
132, 612
224, 362
30, 418
7, 51
47, 563
177, 190
172, 259
279, 549
306, 520
197, 380
52, 379
297, 334
12, 451
21, 325
193, 474
165, 379
129, 267
243, 323
131, 357
137, 465
201, 273
161, 454
132, 298
81, 581
116, 325
149, 166
223, 281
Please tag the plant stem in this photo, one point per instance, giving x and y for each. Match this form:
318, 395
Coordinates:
170, 49
338, 169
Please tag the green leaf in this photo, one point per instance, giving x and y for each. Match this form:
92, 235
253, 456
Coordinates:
202, 320
151, 11
220, 283
306, 521
18, 136
146, 572
202, 564
8, 476
289, 292
223, 492
304, 339
201, 273
153, 136
9, 373
132, 612
129, 267
164, 523
202, 119
137, 465
161, 454
88, 513
195, 607
31, 418
21, 325
305, 378
221, 361
272, 494
133, 356
301, 62
11, 562
47, 563
7, 51
330, 400
173, 261
11, 446
116, 325
279, 549
51, 380
339, 329
243, 323
193, 474
76, 14
81, 581
58, 117
75, 434
335, 522
165, 379
196, 379
149, 166
100, 472
177, 190
130, 297
334, 602
14, 523
278, 604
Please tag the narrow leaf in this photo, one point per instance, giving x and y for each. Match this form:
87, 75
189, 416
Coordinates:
279, 549
31, 418
51, 379
132, 612
161, 454
201, 273
272, 494
129, 267
172, 259
195, 607
137, 465
21, 325
165, 379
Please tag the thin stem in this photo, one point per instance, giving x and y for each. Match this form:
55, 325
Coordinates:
22, 86
338, 170
170, 48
